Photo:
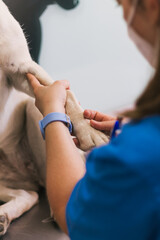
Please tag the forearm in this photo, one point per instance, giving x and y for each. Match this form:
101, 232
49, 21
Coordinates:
64, 164
64, 169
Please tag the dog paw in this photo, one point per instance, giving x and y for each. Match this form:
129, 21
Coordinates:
88, 136
4, 223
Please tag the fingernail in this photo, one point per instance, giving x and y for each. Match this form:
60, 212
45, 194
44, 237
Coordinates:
87, 114
92, 122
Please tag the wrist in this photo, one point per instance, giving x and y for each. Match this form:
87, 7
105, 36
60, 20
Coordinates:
53, 109
54, 117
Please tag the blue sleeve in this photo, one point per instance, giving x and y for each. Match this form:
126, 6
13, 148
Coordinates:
112, 201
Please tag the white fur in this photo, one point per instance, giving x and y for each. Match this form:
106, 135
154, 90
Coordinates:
22, 151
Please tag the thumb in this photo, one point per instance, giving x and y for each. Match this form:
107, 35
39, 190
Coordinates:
102, 126
33, 81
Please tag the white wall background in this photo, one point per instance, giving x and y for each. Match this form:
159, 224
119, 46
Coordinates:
89, 46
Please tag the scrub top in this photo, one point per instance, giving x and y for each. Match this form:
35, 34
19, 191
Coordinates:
119, 196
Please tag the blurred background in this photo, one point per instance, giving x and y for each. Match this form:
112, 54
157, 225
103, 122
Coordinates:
89, 46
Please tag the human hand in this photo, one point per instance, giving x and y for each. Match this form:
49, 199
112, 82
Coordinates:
49, 98
100, 121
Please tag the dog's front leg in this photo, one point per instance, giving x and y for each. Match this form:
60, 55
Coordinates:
16, 202
87, 135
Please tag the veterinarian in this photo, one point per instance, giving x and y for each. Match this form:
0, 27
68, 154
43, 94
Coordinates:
118, 195
28, 13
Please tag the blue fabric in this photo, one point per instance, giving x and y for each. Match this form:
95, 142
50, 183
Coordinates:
119, 196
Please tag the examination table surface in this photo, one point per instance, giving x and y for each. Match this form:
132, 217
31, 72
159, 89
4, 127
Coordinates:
30, 226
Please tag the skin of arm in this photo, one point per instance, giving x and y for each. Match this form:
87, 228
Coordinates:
64, 166
64, 169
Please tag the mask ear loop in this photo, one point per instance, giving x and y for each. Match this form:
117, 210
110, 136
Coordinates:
132, 12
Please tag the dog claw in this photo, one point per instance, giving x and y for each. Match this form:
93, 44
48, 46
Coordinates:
2, 219
1, 228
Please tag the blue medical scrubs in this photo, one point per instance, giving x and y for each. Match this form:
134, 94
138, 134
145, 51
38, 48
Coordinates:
119, 196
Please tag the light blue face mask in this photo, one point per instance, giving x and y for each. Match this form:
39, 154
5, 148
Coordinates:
148, 51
